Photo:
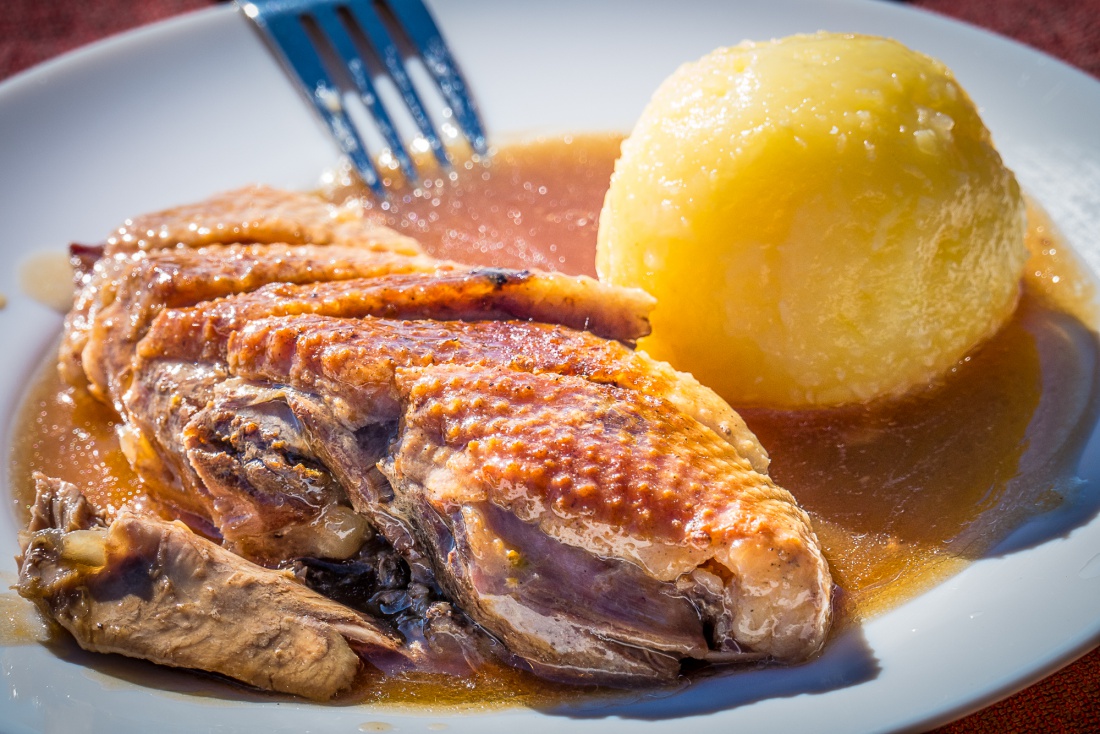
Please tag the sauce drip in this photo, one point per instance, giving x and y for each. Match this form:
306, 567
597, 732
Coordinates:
902, 493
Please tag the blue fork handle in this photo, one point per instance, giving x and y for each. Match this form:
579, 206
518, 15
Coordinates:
281, 22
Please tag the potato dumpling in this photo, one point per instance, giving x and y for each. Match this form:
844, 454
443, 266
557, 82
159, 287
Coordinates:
823, 220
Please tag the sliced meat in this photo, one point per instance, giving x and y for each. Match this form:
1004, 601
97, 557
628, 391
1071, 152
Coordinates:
124, 292
151, 589
201, 333
258, 214
617, 474
327, 380
349, 364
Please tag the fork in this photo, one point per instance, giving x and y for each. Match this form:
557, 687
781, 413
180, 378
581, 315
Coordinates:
308, 34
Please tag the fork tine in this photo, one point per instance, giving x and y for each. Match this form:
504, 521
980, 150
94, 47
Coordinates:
342, 43
387, 51
308, 35
418, 23
300, 57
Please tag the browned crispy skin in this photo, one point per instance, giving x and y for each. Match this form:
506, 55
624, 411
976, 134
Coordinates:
151, 589
258, 214
145, 266
623, 475
345, 369
124, 292
201, 333
351, 363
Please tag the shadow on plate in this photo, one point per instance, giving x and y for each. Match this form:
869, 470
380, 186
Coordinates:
1060, 469
846, 661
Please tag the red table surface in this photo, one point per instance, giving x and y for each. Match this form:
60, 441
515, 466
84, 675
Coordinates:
32, 31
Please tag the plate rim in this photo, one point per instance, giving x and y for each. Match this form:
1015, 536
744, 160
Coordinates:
183, 24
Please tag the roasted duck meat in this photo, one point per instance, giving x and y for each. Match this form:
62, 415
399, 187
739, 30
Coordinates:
325, 401
493, 468
121, 295
257, 214
147, 588
476, 460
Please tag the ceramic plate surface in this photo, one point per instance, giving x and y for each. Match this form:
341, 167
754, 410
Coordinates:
177, 111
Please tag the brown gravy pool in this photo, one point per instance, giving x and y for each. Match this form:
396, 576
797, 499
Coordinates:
902, 494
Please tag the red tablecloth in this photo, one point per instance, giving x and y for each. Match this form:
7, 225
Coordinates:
1068, 701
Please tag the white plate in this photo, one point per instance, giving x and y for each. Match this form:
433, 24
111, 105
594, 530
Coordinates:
185, 108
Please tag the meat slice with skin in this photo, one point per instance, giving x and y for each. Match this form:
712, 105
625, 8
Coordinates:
180, 361
321, 366
350, 364
200, 333
600, 533
122, 294
326, 378
574, 611
258, 214
621, 476
152, 589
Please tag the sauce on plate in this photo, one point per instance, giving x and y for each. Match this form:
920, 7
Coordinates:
902, 493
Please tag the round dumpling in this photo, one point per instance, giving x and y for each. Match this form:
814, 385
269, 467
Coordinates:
823, 219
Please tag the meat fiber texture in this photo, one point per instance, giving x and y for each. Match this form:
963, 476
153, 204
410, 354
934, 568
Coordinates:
472, 464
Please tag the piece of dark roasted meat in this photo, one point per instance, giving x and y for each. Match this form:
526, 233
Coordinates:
152, 589
537, 459
722, 555
124, 292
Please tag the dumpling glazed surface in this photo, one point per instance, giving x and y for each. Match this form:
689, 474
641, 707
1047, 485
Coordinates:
823, 219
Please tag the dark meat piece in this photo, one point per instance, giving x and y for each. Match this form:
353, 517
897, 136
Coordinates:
350, 364
124, 292
151, 589
200, 333
601, 534
618, 475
